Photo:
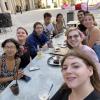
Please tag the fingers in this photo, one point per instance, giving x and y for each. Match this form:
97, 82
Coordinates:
19, 74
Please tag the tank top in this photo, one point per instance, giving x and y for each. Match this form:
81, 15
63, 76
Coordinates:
5, 73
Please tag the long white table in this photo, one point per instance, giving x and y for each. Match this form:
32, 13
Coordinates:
41, 80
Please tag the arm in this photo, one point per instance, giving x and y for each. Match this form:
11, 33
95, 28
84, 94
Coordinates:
32, 48
93, 37
6, 79
19, 73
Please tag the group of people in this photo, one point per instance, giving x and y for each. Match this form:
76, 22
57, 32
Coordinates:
79, 67
18, 53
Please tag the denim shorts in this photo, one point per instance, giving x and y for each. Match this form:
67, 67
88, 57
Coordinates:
96, 48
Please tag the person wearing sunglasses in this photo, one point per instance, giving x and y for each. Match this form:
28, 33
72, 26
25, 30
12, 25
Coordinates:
74, 40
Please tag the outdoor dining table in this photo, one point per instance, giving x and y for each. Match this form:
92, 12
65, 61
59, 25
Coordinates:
41, 79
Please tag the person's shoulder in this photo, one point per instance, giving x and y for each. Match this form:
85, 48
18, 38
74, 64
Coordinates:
30, 37
43, 33
96, 29
61, 94
50, 24
43, 36
87, 47
93, 96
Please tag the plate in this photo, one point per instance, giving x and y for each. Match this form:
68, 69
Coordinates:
50, 62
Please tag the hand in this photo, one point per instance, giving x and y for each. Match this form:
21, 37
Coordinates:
19, 74
44, 47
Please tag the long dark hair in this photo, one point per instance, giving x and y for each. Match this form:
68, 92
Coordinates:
58, 15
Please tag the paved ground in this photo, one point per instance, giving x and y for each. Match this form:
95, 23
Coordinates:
27, 20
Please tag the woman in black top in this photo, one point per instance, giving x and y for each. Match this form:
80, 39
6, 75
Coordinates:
25, 54
80, 76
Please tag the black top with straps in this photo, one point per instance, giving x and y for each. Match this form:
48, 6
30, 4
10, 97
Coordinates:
25, 56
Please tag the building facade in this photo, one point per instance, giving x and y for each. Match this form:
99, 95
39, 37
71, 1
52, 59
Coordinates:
14, 6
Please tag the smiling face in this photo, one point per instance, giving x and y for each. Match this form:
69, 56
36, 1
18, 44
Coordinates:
88, 21
47, 20
74, 39
10, 49
60, 18
75, 72
80, 16
21, 35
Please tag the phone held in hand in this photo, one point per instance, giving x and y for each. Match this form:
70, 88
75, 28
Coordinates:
26, 78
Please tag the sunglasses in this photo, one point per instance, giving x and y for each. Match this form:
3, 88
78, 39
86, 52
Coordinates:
74, 36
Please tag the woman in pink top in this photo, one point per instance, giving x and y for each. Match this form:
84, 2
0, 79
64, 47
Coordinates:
74, 40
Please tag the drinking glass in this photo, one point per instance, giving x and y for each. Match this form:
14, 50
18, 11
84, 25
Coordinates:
15, 89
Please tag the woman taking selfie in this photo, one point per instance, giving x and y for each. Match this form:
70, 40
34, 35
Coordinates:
80, 77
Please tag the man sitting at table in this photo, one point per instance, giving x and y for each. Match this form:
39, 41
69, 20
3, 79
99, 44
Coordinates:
37, 38
80, 15
48, 25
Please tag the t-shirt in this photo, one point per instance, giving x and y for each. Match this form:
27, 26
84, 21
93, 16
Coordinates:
63, 94
82, 28
90, 52
25, 56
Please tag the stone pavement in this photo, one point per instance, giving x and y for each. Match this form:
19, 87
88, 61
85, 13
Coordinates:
27, 19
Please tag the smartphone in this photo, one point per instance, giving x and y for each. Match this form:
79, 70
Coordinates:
26, 78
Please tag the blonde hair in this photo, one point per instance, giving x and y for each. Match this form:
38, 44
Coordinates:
90, 14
